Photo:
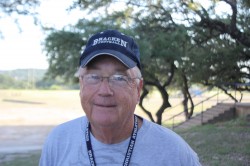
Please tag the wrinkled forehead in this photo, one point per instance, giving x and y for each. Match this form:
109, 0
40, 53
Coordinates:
106, 60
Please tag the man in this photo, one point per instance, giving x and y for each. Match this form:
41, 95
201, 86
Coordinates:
110, 133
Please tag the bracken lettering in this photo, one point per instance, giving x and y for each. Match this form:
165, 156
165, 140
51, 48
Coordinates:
113, 40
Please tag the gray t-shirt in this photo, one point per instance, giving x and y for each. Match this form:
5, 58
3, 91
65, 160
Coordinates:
155, 146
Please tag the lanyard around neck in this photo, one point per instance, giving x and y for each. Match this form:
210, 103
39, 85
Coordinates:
129, 149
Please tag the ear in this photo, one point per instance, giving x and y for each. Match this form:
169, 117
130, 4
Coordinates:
139, 88
81, 86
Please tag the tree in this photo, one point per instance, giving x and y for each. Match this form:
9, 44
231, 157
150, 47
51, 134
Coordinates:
224, 62
62, 47
15, 8
176, 48
20, 7
231, 24
225, 38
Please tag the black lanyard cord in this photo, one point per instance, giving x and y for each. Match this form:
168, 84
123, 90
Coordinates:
129, 149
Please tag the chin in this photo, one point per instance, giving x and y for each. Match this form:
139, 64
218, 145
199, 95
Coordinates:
105, 120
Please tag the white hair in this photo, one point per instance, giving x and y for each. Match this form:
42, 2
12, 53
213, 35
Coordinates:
137, 73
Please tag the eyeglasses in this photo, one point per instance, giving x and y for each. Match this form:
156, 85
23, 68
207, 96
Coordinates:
113, 80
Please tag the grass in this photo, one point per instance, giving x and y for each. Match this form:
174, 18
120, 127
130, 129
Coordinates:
22, 159
221, 144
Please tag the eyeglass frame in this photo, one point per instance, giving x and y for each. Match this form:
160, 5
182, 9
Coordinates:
101, 78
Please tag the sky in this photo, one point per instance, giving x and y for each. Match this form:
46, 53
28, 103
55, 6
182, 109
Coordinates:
22, 50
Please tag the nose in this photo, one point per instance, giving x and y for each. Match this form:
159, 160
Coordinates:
104, 88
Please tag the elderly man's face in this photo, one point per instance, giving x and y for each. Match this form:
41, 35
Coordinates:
108, 103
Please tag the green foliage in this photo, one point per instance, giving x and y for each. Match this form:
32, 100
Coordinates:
88, 4
32, 79
20, 78
25, 74
8, 82
246, 3
63, 49
165, 41
221, 58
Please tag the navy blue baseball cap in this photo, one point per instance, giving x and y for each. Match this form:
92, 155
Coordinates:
113, 43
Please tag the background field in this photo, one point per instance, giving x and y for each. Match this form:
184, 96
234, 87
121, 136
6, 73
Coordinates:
51, 107
27, 116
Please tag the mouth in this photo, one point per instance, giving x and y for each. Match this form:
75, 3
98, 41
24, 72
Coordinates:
105, 105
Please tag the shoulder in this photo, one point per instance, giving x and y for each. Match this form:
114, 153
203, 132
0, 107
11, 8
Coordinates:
150, 128
163, 135
168, 142
62, 139
69, 128
75, 122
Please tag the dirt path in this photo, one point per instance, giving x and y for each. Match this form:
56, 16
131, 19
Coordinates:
21, 140
16, 139
26, 118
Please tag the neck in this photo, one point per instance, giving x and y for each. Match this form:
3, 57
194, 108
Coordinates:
112, 135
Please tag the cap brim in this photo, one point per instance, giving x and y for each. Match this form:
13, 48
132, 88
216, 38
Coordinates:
118, 55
